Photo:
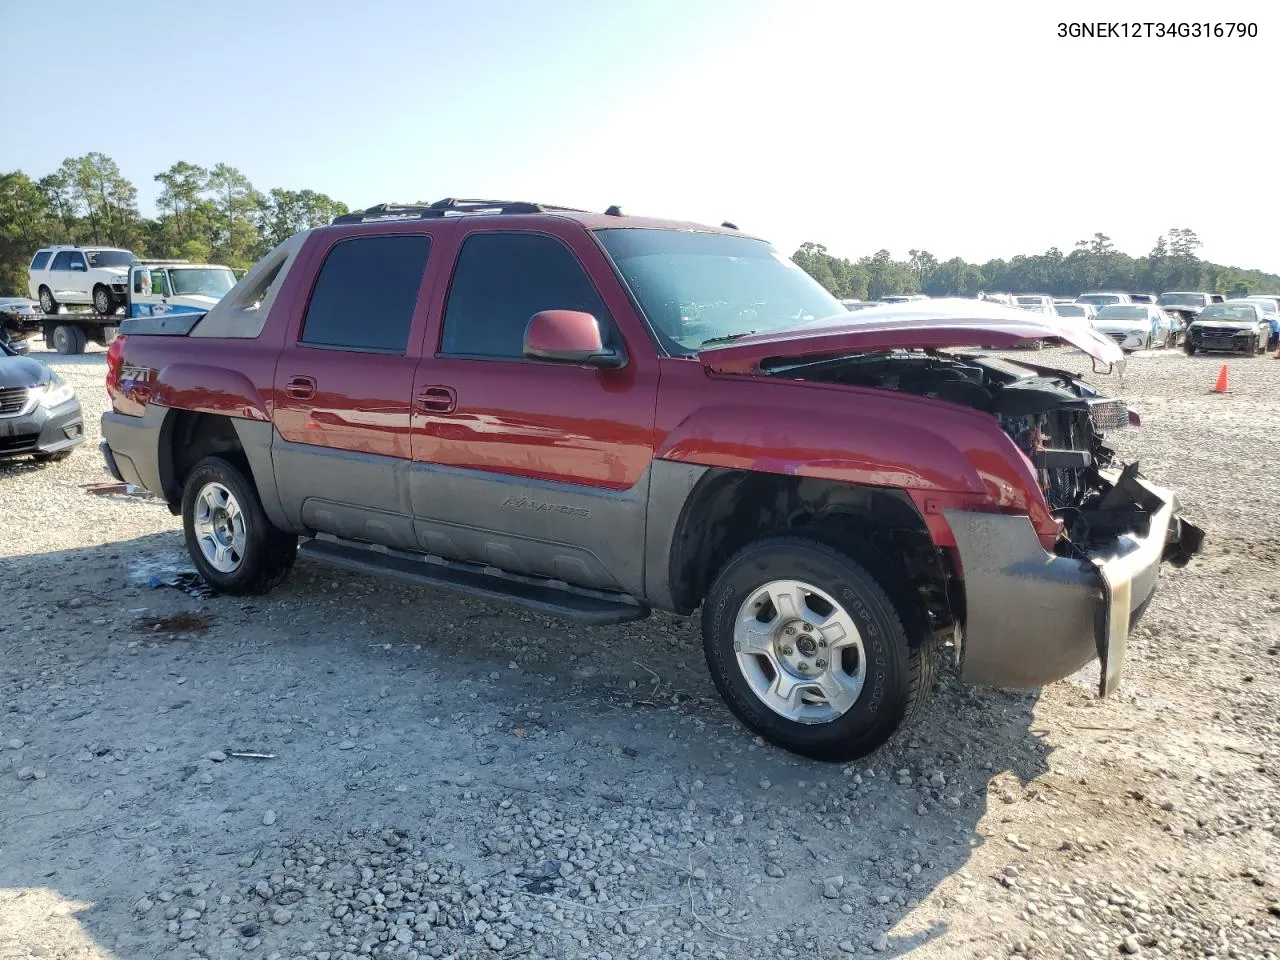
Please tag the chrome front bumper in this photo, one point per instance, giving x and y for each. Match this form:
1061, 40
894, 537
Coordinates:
1033, 617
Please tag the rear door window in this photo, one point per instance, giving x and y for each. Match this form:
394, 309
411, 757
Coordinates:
365, 294
62, 261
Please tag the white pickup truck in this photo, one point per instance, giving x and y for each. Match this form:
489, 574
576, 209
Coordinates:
160, 287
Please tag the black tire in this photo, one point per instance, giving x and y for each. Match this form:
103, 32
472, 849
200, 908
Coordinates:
269, 551
48, 305
104, 301
68, 339
1190, 348
899, 675
51, 457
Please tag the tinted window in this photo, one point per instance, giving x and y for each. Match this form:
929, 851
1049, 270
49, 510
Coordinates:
501, 281
41, 260
364, 296
110, 258
62, 261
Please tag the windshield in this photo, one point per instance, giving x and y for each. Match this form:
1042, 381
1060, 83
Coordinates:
1226, 311
203, 281
1182, 300
109, 258
1070, 310
1098, 299
695, 287
1123, 311
1033, 301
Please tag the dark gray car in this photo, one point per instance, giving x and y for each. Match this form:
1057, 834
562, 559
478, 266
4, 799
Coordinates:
39, 414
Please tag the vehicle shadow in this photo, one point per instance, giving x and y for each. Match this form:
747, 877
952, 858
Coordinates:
384, 703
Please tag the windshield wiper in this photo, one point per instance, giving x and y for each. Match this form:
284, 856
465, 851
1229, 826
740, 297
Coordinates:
726, 338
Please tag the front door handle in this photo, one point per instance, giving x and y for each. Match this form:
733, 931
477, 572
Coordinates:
437, 399
301, 388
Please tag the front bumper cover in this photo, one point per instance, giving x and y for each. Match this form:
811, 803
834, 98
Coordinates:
42, 430
1033, 617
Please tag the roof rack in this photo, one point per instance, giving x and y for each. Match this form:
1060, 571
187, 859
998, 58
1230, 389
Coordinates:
448, 207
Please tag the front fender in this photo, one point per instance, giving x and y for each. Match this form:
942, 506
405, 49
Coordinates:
208, 389
831, 447
933, 450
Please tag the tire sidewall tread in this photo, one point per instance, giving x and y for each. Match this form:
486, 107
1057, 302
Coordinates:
269, 551
898, 678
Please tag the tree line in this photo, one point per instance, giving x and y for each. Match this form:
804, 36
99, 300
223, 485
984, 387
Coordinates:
1094, 264
215, 214
205, 215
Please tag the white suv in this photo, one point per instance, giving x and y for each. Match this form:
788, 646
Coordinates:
96, 276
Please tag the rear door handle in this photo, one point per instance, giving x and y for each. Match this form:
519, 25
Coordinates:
437, 399
301, 388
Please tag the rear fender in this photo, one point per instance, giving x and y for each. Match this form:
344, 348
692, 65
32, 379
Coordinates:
206, 389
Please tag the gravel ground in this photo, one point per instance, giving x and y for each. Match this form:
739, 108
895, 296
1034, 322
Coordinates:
454, 778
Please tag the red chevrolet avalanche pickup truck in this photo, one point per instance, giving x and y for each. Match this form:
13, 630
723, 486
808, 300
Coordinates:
595, 415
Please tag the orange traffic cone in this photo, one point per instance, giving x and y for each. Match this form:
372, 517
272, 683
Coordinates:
1221, 385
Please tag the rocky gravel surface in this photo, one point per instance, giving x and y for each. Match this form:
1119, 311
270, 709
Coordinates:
352, 768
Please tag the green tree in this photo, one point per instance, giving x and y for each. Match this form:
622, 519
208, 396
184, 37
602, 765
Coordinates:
182, 185
235, 204
104, 197
282, 213
25, 220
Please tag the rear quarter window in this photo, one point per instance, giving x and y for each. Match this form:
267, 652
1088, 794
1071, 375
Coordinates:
41, 260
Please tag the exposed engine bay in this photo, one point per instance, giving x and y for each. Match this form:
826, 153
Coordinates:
1056, 419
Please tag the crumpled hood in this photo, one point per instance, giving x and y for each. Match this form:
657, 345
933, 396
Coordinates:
919, 325
1226, 324
21, 372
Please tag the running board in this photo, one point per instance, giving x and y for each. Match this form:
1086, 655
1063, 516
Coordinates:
546, 596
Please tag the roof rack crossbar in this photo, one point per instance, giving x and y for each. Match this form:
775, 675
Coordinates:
448, 207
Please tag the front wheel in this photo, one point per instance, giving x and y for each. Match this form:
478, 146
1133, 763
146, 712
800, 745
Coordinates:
103, 301
808, 650
1190, 348
233, 544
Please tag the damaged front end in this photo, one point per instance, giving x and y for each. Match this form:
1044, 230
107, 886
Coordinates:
1034, 615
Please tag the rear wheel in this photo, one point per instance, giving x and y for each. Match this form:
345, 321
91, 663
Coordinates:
48, 305
808, 650
68, 339
233, 544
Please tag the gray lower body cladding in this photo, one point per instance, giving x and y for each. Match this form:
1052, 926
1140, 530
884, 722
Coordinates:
1033, 617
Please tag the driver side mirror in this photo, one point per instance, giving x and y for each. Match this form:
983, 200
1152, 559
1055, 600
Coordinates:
570, 337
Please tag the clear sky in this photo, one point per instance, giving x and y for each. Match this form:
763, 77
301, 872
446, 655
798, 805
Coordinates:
965, 129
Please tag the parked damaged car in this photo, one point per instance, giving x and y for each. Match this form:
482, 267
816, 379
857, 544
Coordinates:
837, 493
1236, 326
17, 322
